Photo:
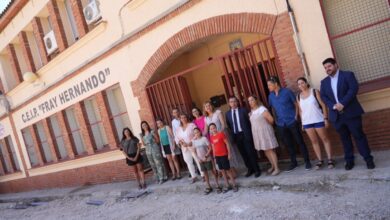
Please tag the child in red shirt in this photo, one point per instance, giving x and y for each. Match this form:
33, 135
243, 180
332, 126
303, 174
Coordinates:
222, 155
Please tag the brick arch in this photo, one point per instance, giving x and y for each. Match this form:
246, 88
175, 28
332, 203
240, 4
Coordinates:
229, 23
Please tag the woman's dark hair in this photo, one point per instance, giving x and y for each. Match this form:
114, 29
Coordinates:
183, 114
196, 128
274, 80
143, 131
304, 80
160, 119
255, 98
123, 133
329, 60
197, 109
211, 124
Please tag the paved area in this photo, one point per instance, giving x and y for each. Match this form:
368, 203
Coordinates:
301, 194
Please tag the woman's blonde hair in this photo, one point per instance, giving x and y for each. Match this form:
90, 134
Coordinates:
204, 107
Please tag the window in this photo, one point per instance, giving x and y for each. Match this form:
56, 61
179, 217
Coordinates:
71, 19
58, 136
42, 142
359, 32
8, 79
95, 122
3, 156
75, 130
12, 152
118, 110
28, 141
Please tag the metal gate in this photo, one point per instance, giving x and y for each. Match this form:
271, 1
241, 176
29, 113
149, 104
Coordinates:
247, 69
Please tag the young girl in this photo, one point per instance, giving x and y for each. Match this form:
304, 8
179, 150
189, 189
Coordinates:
168, 148
222, 155
203, 153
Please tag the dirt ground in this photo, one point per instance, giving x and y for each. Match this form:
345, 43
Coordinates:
323, 194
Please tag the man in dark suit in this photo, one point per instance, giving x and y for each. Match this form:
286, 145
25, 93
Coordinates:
238, 121
339, 90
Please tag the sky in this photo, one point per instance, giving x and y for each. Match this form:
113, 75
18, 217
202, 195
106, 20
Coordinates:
3, 4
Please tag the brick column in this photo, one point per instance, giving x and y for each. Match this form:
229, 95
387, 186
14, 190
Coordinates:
85, 129
105, 112
39, 35
14, 63
2, 164
8, 145
26, 50
57, 24
49, 137
38, 152
6, 155
78, 14
68, 141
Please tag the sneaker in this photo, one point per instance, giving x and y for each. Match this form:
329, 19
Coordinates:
308, 166
291, 168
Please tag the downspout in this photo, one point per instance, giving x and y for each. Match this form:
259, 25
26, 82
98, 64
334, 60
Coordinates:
298, 41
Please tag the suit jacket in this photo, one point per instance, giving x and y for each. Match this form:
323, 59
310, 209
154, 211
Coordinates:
347, 89
244, 121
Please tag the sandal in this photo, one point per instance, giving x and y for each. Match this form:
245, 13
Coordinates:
140, 187
269, 171
235, 188
225, 190
331, 164
219, 189
319, 165
208, 191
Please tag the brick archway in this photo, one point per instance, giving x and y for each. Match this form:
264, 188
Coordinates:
277, 26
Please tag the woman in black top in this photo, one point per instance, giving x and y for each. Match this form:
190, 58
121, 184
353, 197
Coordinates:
130, 147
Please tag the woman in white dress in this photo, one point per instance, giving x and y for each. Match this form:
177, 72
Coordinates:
263, 132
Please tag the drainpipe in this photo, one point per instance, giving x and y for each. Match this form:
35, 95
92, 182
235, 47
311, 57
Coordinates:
297, 40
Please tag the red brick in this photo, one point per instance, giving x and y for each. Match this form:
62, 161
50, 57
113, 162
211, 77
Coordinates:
85, 129
57, 24
77, 11
39, 35
26, 50
14, 63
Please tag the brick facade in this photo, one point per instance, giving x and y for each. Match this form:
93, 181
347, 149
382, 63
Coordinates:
77, 10
58, 26
26, 50
68, 141
86, 132
55, 154
39, 35
108, 125
16, 71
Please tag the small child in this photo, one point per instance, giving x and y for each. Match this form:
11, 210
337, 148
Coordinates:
222, 155
203, 153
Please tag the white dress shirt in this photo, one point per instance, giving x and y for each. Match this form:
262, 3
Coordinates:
175, 125
237, 120
333, 82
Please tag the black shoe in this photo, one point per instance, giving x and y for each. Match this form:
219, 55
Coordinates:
349, 165
370, 164
257, 174
308, 166
248, 174
291, 168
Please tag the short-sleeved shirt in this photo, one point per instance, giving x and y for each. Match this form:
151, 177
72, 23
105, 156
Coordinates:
130, 146
284, 107
219, 145
201, 146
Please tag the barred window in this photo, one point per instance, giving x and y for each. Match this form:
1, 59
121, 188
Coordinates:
30, 147
95, 122
42, 142
58, 136
118, 110
75, 130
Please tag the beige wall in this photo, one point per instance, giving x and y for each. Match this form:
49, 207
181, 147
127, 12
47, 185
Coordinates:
126, 63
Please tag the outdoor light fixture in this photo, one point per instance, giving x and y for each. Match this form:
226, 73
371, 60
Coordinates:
31, 77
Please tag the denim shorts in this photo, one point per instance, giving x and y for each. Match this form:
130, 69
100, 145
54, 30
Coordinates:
315, 125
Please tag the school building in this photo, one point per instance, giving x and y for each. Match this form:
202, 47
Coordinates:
74, 73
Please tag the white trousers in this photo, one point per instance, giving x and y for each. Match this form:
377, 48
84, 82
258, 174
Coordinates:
189, 158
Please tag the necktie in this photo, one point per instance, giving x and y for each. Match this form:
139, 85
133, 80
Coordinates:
235, 122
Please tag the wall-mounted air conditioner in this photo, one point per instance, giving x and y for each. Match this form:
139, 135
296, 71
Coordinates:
50, 42
92, 12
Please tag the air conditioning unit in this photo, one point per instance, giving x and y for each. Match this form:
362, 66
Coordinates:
50, 42
92, 12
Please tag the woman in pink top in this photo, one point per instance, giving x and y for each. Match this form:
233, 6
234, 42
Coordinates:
199, 120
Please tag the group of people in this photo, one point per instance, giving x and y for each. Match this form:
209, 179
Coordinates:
217, 142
